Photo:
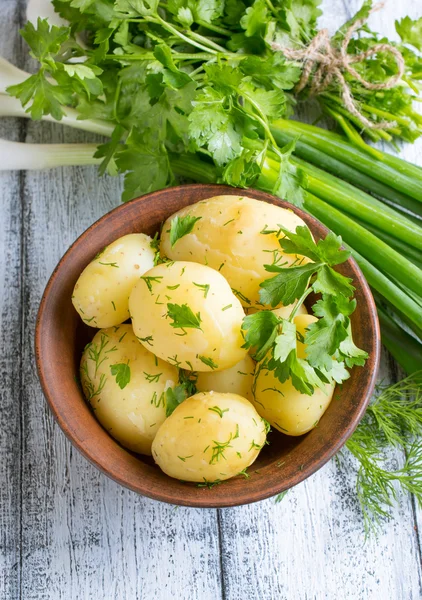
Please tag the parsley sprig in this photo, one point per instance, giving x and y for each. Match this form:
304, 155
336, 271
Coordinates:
183, 317
181, 226
121, 372
185, 389
329, 342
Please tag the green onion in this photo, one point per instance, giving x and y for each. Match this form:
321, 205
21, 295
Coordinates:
390, 291
405, 348
395, 172
343, 195
356, 178
411, 253
380, 254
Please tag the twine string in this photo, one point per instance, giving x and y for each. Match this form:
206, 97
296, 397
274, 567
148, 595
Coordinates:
323, 63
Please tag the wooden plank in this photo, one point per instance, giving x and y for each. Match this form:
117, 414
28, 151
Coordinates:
10, 337
83, 535
311, 545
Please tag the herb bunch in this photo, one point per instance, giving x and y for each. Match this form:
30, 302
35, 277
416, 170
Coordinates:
394, 105
169, 78
172, 77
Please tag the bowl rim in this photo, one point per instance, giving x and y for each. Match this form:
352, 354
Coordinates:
371, 366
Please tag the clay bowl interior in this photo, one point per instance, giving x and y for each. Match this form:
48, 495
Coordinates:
61, 336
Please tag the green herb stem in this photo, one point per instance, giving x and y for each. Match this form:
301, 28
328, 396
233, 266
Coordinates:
166, 25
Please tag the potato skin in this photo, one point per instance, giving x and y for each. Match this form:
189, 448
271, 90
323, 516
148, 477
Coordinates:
236, 380
200, 443
101, 294
288, 410
132, 415
228, 238
216, 344
284, 312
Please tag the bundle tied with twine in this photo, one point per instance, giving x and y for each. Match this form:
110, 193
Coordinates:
323, 63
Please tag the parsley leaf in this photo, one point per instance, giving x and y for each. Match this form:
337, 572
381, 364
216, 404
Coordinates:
122, 373
181, 226
183, 317
255, 18
286, 364
301, 242
172, 76
260, 332
47, 99
410, 31
146, 163
332, 282
285, 343
288, 285
324, 337
350, 353
291, 282
214, 125
174, 397
44, 41
185, 389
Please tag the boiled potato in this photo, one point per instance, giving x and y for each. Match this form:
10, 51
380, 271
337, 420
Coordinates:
236, 380
125, 385
209, 437
283, 312
229, 237
281, 404
186, 314
101, 294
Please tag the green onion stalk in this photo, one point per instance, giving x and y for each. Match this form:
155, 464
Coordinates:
318, 157
390, 170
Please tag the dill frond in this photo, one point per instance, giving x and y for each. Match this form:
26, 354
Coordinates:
394, 419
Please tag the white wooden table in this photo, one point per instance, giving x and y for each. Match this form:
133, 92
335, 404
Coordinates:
68, 532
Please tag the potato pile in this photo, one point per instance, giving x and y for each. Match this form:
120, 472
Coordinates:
176, 381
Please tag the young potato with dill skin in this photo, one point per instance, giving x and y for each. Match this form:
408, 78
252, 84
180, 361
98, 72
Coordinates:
230, 237
236, 380
101, 294
125, 385
281, 404
186, 314
209, 437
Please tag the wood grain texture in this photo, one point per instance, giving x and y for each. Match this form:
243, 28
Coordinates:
10, 337
79, 535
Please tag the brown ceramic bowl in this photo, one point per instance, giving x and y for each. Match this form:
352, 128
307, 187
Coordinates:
61, 336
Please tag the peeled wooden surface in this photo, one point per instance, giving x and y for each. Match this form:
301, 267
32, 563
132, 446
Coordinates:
69, 533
